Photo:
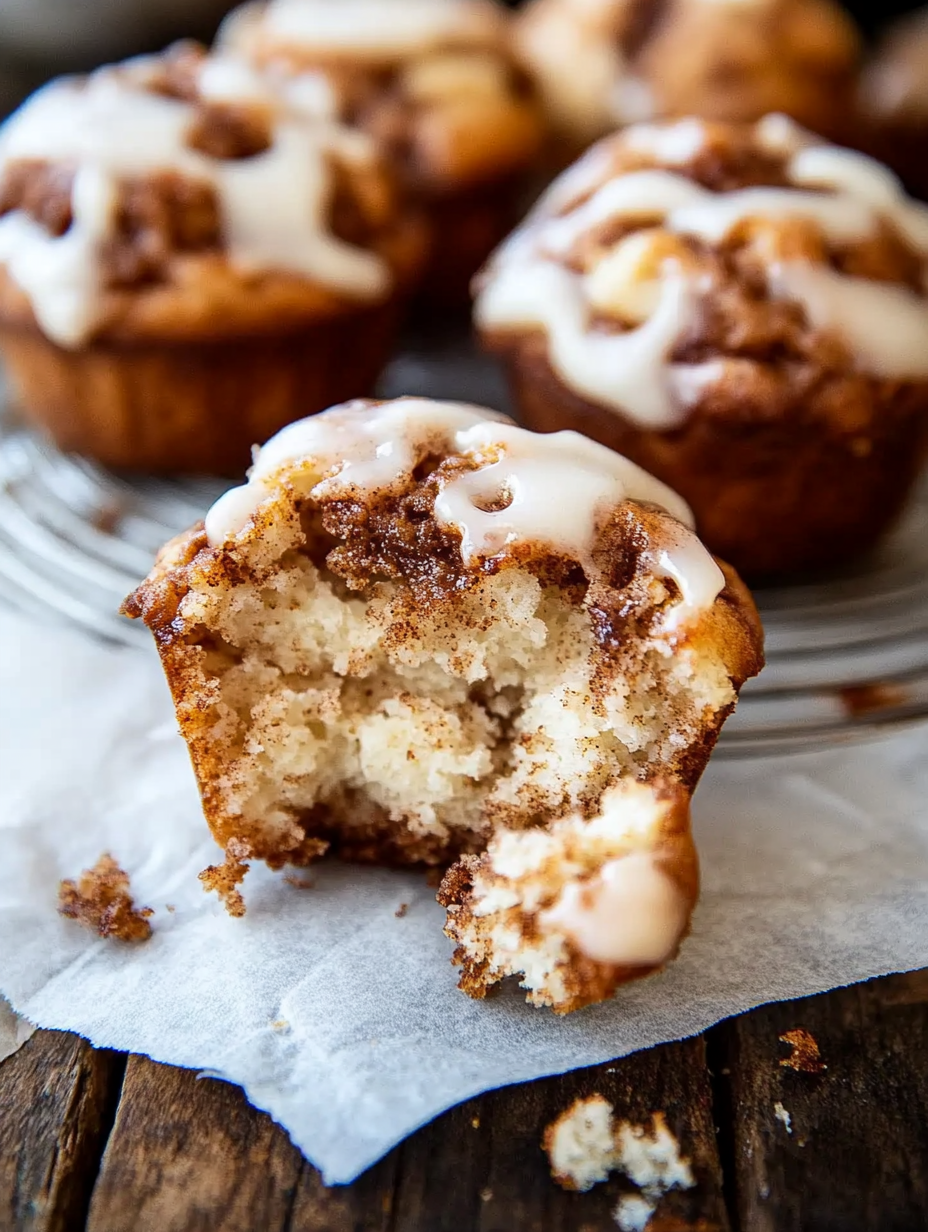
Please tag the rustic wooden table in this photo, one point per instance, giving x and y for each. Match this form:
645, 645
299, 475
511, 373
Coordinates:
95, 1140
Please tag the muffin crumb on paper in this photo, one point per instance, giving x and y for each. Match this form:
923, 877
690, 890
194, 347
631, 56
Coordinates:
100, 900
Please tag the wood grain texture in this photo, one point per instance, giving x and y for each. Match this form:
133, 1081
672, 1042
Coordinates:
190, 1155
481, 1166
844, 1149
854, 1154
57, 1097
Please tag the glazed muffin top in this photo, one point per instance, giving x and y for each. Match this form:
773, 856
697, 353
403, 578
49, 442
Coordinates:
191, 192
434, 80
601, 63
675, 258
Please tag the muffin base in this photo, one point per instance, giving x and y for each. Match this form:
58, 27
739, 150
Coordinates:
773, 496
193, 406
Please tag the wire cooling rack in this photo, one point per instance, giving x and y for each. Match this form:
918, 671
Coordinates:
846, 656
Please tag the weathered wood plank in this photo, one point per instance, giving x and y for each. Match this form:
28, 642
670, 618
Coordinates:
57, 1097
190, 1155
481, 1166
845, 1148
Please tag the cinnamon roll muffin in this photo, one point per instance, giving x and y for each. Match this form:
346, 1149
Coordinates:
740, 310
435, 82
418, 629
600, 64
191, 256
894, 100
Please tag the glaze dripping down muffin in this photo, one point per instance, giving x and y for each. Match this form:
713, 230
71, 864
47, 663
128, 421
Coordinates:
188, 250
418, 624
742, 311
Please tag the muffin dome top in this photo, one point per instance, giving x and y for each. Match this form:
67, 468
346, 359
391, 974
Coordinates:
600, 63
435, 81
133, 176
487, 489
675, 256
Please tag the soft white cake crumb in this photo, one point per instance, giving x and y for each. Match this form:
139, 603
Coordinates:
652, 1160
580, 1144
633, 1212
783, 1117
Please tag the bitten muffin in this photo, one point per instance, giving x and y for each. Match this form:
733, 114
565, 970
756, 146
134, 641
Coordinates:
894, 100
417, 624
742, 312
435, 82
579, 907
604, 63
191, 256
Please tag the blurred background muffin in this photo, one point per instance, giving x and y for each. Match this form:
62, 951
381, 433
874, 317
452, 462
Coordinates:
894, 100
742, 311
604, 63
435, 82
191, 256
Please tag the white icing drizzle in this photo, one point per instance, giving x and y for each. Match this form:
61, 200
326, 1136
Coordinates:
228, 78
554, 484
552, 488
273, 205
844, 194
623, 370
848, 171
357, 445
779, 134
630, 913
668, 143
886, 326
382, 28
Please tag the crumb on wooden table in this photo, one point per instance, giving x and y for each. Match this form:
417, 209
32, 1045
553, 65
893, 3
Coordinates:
633, 1212
580, 1143
783, 1117
804, 1052
100, 899
585, 1143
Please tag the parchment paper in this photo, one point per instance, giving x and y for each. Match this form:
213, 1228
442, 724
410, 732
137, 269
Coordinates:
339, 1018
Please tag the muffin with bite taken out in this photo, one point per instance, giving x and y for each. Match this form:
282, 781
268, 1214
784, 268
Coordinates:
191, 256
435, 81
420, 633
742, 311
